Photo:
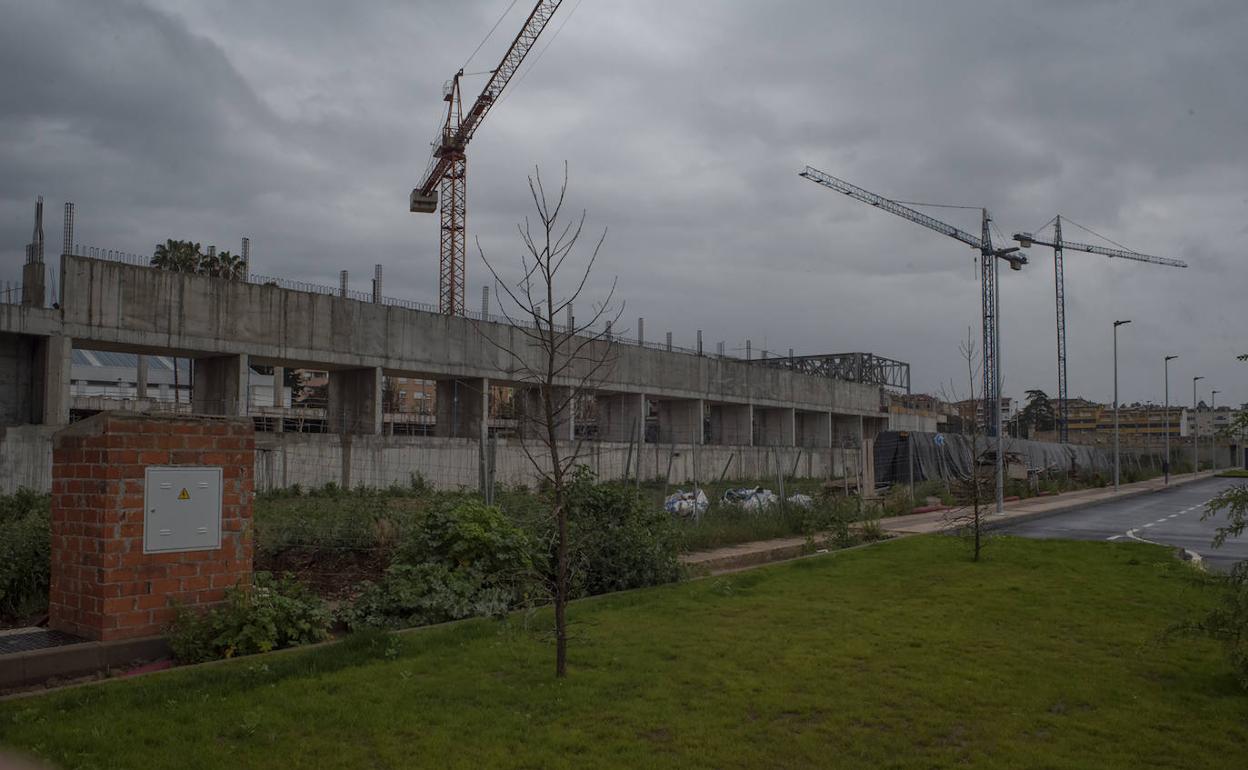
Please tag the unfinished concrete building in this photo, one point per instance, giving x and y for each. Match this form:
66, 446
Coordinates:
663, 412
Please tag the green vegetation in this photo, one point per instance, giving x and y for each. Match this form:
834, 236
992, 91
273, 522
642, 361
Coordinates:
1045, 654
25, 543
462, 561
1236, 473
268, 615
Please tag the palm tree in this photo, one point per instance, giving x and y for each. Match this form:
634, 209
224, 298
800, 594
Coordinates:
177, 256
229, 266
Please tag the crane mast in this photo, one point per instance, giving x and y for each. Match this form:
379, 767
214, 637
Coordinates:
988, 277
1059, 245
445, 178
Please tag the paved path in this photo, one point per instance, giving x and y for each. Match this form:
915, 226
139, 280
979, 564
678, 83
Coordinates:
745, 555
1170, 517
939, 521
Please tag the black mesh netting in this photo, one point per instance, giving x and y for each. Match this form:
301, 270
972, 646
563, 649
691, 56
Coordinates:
949, 457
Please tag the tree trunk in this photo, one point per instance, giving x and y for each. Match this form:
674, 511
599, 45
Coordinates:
561, 591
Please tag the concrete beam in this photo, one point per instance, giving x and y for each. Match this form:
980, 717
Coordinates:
220, 385
355, 401
731, 424
680, 421
462, 407
621, 415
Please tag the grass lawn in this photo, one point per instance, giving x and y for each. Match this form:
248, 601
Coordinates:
901, 655
1235, 473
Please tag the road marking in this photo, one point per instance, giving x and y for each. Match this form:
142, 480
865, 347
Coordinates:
1113, 537
1131, 534
1151, 523
1171, 516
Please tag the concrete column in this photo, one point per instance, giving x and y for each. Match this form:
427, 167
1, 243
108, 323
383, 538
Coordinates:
776, 426
680, 421
620, 414
52, 370
220, 385
530, 413
355, 401
279, 387
279, 398
814, 429
140, 377
731, 424
34, 284
463, 408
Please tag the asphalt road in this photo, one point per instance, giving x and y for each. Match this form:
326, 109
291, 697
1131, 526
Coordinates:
1171, 517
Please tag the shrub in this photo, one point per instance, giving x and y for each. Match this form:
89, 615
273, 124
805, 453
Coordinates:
462, 560
25, 546
617, 540
267, 615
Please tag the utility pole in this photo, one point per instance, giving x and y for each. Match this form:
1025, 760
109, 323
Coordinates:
1165, 466
1116, 453
1195, 432
1213, 433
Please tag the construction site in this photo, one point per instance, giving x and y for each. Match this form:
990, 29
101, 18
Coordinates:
360, 389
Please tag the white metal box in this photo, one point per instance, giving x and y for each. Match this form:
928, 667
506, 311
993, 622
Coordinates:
182, 509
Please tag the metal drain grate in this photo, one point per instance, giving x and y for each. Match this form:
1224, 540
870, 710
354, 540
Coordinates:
26, 640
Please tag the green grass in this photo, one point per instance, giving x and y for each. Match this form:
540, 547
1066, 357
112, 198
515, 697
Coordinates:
1237, 473
902, 655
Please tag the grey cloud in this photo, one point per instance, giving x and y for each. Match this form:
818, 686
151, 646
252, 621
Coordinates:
304, 124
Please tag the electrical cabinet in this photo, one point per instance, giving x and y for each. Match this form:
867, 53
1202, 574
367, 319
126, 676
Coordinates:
182, 509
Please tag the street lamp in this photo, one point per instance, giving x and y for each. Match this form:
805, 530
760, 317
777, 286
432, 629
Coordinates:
1195, 432
1116, 325
1165, 466
1213, 429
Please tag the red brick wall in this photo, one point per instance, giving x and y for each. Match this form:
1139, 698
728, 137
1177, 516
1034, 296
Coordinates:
103, 586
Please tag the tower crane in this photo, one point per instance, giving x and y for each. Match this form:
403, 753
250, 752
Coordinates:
988, 272
1027, 240
448, 167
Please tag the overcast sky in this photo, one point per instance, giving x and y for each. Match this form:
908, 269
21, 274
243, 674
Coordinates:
304, 124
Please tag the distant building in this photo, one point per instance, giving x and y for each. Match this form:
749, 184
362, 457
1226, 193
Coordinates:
1141, 424
969, 410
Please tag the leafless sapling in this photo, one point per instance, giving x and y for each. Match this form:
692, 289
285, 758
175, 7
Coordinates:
555, 362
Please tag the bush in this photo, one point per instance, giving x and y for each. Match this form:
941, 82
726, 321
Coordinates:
25, 546
617, 540
462, 560
267, 615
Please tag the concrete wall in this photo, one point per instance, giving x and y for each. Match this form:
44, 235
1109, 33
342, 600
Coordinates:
17, 378
283, 460
127, 307
26, 458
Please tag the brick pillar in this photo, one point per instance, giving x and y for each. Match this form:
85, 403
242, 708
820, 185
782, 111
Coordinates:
105, 585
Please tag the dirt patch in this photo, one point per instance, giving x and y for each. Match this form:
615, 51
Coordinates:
331, 574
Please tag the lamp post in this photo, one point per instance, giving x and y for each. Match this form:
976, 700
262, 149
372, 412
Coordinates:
1165, 466
1116, 325
1195, 432
1213, 429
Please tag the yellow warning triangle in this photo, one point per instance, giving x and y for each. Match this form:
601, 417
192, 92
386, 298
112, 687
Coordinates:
184, 495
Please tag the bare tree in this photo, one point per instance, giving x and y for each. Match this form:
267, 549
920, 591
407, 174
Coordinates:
971, 492
559, 360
